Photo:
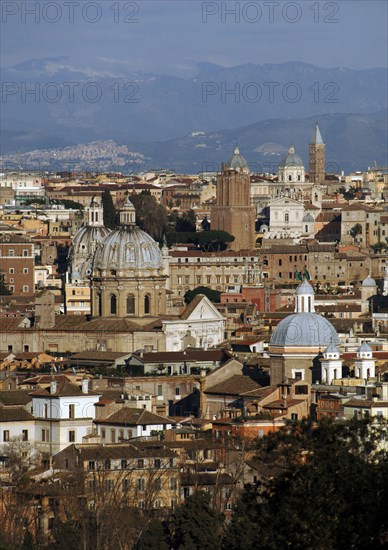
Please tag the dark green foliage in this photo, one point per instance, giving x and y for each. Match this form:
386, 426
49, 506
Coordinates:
208, 241
186, 223
195, 525
331, 493
150, 216
111, 218
347, 194
67, 535
4, 290
356, 230
155, 537
28, 541
72, 205
213, 295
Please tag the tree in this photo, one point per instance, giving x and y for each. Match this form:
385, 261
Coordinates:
348, 194
195, 525
213, 295
329, 492
355, 230
22, 456
150, 216
208, 241
154, 537
111, 218
186, 223
4, 290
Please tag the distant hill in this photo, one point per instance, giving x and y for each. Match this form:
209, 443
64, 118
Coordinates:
148, 107
353, 142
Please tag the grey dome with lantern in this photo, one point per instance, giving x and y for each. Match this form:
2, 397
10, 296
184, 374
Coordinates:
128, 247
304, 328
85, 243
291, 160
237, 162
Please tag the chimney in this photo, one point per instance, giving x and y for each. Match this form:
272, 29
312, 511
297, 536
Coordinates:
53, 386
85, 385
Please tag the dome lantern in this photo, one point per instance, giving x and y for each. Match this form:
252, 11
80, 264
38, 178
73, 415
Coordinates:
128, 214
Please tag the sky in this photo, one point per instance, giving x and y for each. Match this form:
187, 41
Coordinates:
172, 37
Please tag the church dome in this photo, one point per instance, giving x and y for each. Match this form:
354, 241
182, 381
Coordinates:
292, 160
87, 237
369, 282
304, 330
237, 162
128, 248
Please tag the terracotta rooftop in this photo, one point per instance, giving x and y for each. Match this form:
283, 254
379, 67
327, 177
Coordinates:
127, 416
236, 385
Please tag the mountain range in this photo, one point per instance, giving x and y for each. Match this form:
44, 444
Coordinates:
186, 123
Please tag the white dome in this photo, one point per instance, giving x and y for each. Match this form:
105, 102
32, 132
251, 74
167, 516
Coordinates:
304, 330
237, 162
88, 236
369, 282
128, 248
291, 160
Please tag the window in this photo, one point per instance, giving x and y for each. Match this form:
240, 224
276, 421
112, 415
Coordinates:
107, 464
26, 288
158, 484
173, 484
160, 390
140, 463
5, 436
147, 304
25, 253
71, 411
25, 435
113, 436
177, 391
71, 436
286, 218
140, 484
157, 463
124, 464
25, 270
125, 485
121, 435
11, 253
113, 304
280, 262
108, 484
11, 270
294, 416
91, 465
103, 433
50, 524
26, 348
45, 435
130, 304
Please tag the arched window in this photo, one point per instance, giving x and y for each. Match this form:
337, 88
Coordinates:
289, 178
130, 304
113, 304
286, 218
147, 304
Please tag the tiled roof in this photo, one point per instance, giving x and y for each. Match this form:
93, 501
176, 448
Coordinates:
127, 416
14, 397
121, 450
64, 389
14, 414
236, 385
206, 479
187, 355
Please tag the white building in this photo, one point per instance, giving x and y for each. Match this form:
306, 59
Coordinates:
64, 414
200, 326
129, 422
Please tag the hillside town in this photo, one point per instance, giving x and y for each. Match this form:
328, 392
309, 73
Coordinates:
155, 327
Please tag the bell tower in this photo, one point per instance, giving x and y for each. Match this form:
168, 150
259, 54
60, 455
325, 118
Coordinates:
317, 154
233, 211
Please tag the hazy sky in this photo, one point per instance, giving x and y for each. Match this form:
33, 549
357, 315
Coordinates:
173, 36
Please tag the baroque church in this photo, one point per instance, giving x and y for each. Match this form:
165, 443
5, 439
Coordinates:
125, 270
